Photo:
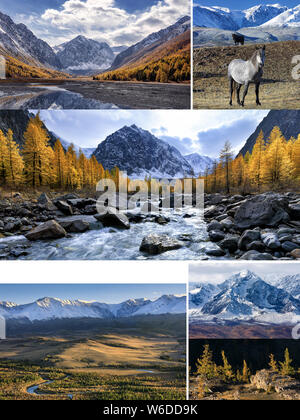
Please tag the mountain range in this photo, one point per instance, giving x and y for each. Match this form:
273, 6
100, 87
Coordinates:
224, 18
261, 23
79, 55
245, 296
49, 308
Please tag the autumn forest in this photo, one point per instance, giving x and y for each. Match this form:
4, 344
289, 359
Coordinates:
274, 164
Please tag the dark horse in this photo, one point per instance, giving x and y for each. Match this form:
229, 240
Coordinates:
241, 72
238, 39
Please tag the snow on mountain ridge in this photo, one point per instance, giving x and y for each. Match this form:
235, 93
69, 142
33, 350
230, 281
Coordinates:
82, 53
289, 18
245, 296
48, 308
199, 163
224, 18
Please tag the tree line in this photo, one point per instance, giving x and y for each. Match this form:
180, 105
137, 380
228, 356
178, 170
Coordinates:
207, 369
38, 164
175, 68
274, 163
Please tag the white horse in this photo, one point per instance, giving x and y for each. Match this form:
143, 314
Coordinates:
241, 72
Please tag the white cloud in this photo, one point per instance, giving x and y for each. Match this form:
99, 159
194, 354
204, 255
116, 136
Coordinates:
103, 21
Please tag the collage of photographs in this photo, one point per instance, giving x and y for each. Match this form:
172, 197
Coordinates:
149, 200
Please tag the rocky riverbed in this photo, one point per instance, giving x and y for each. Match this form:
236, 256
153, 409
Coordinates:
260, 227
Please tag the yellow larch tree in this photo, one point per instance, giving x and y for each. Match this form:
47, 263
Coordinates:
14, 162
38, 155
278, 168
60, 164
256, 161
3, 157
296, 158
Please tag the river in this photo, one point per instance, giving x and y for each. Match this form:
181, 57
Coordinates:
118, 244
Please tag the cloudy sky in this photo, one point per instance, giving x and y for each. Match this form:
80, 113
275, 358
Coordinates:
238, 5
106, 293
118, 22
217, 272
204, 132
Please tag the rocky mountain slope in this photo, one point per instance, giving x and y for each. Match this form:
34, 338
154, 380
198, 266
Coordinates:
19, 42
83, 54
138, 51
246, 297
287, 120
17, 121
53, 308
140, 153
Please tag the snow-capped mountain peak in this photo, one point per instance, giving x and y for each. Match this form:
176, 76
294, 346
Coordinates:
140, 154
288, 18
82, 53
199, 163
245, 296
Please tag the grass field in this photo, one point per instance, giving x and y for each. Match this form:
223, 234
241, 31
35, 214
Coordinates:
140, 361
278, 89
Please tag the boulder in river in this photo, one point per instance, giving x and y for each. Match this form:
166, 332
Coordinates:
247, 237
216, 235
255, 255
230, 242
262, 210
64, 207
270, 239
48, 230
157, 244
215, 252
289, 246
294, 210
75, 226
112, 218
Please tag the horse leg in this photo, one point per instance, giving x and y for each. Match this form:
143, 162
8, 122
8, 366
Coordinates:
238, 89
230, 90
257, 93
245, 93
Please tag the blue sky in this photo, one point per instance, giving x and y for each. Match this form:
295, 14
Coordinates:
204, 132
105, 293
245, 4
217, 272
118, 22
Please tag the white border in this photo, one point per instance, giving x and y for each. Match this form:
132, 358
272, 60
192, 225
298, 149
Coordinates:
170, 272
